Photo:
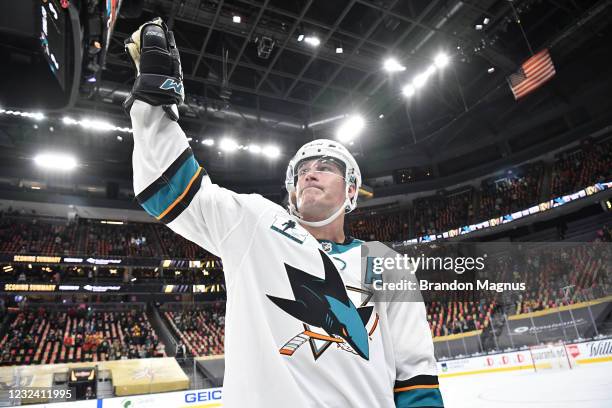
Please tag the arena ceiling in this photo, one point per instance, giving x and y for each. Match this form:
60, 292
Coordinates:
464, 112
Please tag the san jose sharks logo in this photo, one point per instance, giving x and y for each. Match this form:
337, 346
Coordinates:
324, 303
172, 84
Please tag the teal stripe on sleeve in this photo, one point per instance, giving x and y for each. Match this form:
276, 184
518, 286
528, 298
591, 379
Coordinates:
419, 398
165, 196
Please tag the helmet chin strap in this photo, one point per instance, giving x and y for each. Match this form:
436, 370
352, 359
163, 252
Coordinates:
293, 210
326, 221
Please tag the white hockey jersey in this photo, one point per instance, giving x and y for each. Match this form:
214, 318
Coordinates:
299, 332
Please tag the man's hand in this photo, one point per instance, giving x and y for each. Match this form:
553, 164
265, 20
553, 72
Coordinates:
159, 78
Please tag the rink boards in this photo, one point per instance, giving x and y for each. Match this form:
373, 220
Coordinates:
580, 354
586, 354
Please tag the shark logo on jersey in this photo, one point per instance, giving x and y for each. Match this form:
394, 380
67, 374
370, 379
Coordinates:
324, 303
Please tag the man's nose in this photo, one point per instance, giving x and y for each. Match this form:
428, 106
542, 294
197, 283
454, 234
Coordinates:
311, 175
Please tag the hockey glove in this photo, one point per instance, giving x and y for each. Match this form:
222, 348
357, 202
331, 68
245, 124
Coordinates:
159, 78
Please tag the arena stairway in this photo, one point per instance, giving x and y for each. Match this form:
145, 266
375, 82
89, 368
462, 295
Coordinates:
163, 332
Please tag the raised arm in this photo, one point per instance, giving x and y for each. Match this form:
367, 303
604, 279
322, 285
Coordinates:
169, 183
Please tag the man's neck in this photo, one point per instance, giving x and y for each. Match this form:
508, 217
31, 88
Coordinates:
334, 231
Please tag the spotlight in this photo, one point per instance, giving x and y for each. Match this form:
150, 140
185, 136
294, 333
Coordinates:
228, 145
314, 41
491, 70
300, 38
419, 80
271, 151
408, 90
55, 161
391, 65
236, 19
441, 60
486, 21
255, 149
478, 27
339, 50
350, 129
208, 142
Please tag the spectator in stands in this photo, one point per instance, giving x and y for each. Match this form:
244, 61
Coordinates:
180, 350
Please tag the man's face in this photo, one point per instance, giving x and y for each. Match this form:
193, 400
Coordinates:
320, 189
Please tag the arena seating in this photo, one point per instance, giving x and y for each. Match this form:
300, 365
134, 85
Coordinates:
201, 330
26, 234
441, 212
582, 275
580, 167
458, 317
514, 191
42, 337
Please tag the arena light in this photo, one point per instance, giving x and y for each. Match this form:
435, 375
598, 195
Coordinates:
237, 19
300, 38
392, 65
95, 124
350, 128
37, 116
228, 145
208, 142
312, 40
255, 149
339, 50
56, 161
408, 90
69, 121
419, 80
441, 60
271, 152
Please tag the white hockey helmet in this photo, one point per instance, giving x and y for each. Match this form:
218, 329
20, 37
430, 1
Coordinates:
318, 149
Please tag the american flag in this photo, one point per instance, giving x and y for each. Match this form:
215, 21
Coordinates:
533, 73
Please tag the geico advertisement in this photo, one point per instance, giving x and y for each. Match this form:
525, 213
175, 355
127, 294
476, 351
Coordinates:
208, 398
211, 397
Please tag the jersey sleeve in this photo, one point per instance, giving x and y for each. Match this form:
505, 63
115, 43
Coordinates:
416, 382
171, 186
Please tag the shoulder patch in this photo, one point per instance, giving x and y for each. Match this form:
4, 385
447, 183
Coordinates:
289, 228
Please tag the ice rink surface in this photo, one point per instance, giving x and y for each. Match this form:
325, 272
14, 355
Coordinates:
586, 386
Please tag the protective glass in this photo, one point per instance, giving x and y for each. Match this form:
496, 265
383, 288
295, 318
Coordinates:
324, 164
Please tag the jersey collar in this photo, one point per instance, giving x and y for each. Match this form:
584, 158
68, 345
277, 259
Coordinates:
332, 248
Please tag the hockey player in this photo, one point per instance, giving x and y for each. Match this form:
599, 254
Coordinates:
298, 333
